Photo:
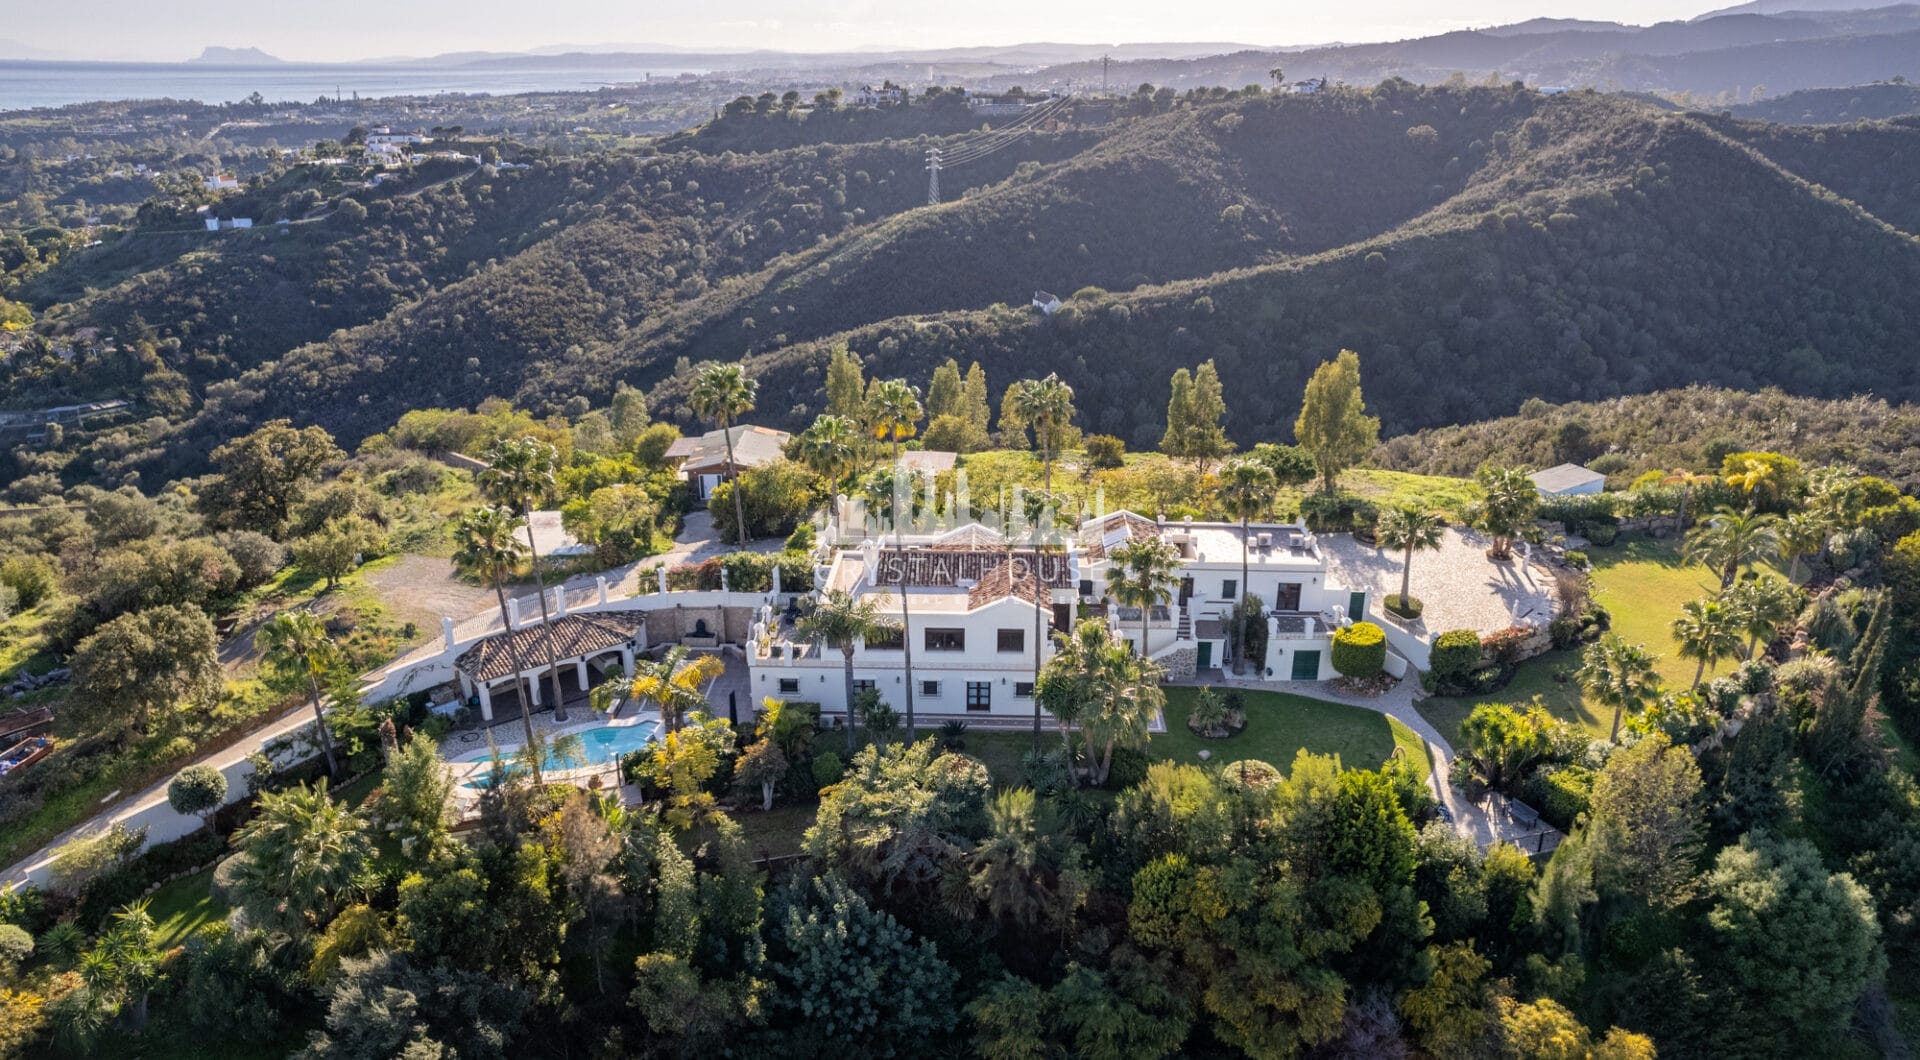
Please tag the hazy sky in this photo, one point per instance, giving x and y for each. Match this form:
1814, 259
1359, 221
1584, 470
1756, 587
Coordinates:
350, 29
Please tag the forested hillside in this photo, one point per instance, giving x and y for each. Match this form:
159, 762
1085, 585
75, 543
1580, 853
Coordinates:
1627, 436
1478, 246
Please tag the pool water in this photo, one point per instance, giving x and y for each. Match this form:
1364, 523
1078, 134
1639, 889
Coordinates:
598, 745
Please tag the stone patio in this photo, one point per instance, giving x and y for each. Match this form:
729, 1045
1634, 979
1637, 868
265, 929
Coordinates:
1460, 587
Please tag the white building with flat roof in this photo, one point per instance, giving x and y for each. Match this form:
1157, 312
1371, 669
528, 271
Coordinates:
1283, 566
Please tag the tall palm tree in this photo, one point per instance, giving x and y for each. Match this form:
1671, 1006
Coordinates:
1046, 405
1732, 540
675, 684
829, 448
1247, 489
843, 620
1618, 675
1413, 529
125, 961
1143, 574
296, 642
1762, 606
519, 472
894, 411
1709, 631
1799, 535
724, 393
485, 545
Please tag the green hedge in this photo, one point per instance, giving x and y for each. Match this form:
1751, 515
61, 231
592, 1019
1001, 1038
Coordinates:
1360, 650
1455, 655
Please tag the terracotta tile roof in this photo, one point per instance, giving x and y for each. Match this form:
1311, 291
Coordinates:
1008, 579
573, 637
1112, 530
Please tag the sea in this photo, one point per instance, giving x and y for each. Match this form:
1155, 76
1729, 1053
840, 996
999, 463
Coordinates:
25, 84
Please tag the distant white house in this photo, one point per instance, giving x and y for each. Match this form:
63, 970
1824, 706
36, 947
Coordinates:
1568, 480
217, 224
1046, 303
221, 182
869, 96
382, 137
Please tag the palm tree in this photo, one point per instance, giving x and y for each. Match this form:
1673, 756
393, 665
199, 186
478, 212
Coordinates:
1143, 574
1732, 540
1508, 500
675, 684
1762, 606
1686, 480
1618, 675
304, 850
829, 448
296, 642
893, 409
1046, 405
1112, 693
485, 545
1247, 489
518, 472
1412, 529
1800, 534
125, 962
723, 393
1709, 631
1006, 866
894, 412
842, 620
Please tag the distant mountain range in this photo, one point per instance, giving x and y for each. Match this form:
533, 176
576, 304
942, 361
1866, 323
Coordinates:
218, 56
1758, 49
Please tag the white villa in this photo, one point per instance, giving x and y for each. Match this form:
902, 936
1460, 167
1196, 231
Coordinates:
977, 607
973, 611
1285, 569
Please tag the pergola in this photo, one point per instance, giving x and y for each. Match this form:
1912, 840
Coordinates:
577, 639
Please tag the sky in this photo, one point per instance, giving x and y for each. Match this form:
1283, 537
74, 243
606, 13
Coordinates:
361, 29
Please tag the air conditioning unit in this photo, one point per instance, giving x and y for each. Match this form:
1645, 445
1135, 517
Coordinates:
1266, 541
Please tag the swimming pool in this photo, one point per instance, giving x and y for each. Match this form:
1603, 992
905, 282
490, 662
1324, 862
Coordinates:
597, 746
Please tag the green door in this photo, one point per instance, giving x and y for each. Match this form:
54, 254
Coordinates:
1306, 666
1357, 607
1206, 655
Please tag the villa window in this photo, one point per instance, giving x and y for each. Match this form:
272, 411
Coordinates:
789, 686
1012, 640
895, 641
1023, 689
930, 689
979, 695
1230, 589
946, 640
863, 684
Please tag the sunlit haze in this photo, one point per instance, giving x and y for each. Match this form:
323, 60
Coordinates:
365, 29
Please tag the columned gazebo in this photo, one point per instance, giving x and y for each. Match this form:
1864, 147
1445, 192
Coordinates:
577, 639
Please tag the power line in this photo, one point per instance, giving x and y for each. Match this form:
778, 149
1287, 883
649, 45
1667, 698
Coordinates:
998, 139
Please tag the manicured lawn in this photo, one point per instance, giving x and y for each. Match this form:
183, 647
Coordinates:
1535, 678
1642, 582
183, 907
1280, 725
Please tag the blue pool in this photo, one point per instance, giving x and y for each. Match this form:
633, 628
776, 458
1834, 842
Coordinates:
598, 745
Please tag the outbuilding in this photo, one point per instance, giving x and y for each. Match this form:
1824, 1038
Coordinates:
1568, 480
